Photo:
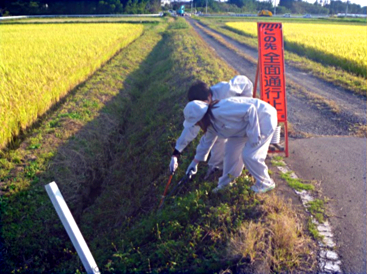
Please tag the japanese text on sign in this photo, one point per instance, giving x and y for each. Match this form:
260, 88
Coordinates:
271, 61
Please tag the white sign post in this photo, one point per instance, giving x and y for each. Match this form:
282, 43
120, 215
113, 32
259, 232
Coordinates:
71, 228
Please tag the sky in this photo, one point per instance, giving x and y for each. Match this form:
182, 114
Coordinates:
362, 3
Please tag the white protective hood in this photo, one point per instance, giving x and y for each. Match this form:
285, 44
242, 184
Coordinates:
239, 85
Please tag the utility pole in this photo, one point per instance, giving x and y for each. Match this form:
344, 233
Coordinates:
275, 2
206, 7
346, 9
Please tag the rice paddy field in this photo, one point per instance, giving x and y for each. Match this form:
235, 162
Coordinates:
341, 45
41, 63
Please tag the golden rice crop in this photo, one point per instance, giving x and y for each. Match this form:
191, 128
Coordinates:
335, 44
39, 64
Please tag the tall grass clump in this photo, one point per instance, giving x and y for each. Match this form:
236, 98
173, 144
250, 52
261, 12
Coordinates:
272, 243
42, 63
340, 45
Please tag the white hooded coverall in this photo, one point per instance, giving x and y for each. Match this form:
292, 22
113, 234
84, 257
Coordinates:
239, 85
235, 118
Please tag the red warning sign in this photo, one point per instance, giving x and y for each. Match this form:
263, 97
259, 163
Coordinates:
271, 67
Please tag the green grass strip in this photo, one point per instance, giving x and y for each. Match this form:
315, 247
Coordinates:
317, 209
296, 183
313, 230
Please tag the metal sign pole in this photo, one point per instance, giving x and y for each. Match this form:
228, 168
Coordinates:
71, 228
256, 80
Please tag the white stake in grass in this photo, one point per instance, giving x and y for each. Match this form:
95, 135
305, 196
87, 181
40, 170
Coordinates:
71, 228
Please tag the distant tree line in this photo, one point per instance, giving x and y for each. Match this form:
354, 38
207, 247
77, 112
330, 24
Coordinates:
321, 7
48, 7
341, 7
285, 6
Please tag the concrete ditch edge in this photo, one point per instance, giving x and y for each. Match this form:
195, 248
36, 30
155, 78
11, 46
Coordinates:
328, 259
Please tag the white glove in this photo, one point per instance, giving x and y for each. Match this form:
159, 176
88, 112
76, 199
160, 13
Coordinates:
173, 165
193, 167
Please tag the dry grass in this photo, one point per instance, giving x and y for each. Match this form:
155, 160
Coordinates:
248, 242
277, 239
359, 130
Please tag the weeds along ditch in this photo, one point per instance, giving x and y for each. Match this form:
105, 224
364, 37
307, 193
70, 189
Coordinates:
108, 148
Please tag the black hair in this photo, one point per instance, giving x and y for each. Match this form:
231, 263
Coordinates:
199, 91
206, 121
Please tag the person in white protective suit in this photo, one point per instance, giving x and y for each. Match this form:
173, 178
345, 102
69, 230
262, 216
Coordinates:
239, 85
234, 118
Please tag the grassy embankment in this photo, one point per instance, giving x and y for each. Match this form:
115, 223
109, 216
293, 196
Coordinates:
294, 53
108, 147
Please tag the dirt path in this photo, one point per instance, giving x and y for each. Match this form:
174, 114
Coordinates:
302, 112
333, 157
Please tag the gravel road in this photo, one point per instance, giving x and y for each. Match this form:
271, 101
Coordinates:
303, 114
330, 154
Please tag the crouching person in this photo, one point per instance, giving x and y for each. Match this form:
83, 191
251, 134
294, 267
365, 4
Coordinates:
248, 124
239, 85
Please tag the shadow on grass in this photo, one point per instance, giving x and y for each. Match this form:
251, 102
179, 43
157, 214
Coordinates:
114, 126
